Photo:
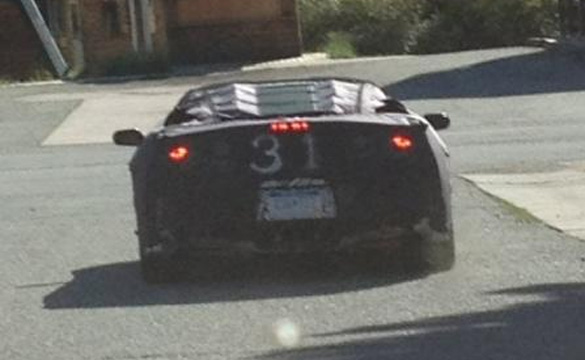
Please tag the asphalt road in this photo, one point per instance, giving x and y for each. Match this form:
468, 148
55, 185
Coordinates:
69, 282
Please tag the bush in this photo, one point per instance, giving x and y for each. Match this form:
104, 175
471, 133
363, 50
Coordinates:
340, 46
463, 24
318, 18
37, 73
381, 26
378, 27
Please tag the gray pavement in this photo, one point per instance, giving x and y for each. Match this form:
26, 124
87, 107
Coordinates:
69, 284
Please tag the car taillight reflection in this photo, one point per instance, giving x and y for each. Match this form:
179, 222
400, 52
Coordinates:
289, 127
179, 154
402, 142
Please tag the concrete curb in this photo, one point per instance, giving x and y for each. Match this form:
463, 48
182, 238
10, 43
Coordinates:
34, 83
307, 60
212, 69
556, 198
196, 70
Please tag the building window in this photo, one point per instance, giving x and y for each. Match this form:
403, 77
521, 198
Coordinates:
111, 18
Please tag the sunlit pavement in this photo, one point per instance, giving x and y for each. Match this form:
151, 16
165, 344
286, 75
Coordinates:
69, 281
556, 198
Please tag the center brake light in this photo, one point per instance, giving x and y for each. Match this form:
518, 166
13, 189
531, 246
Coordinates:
289, 127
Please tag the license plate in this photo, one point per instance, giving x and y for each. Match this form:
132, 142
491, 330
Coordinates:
296, 204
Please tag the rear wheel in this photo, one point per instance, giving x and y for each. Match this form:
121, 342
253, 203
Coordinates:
162, 266
159, 269
428, 254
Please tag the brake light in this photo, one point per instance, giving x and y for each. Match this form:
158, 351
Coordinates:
178, 154
290, 127
402, 142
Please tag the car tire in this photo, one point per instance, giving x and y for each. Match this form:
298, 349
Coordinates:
157, 269
423, 255
162, 267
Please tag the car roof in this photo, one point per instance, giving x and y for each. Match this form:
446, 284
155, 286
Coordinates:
269, 99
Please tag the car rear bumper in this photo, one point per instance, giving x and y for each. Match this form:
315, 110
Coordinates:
370, 213
276, 241
292, 237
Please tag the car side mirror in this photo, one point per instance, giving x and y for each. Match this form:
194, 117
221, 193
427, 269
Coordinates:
439, 121
128, 137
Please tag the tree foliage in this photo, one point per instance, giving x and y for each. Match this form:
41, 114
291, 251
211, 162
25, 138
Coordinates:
472, 24
426, 26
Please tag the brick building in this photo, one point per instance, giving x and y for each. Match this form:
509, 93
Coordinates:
21, 52
92, 34
233, 30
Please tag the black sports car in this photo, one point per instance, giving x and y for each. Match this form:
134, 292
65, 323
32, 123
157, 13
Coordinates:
291, 166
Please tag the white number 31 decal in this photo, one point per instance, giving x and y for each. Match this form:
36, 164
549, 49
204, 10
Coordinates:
272, 162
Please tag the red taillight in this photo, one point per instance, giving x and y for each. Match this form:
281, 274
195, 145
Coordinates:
179, 154
402, 142
289, 127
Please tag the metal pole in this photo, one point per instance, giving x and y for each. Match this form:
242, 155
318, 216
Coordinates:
46, 37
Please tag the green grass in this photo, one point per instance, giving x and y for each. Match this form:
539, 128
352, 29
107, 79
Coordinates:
39, 73
339, 46
31, 78
520, 214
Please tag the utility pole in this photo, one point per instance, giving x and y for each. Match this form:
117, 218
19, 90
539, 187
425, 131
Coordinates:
33, 12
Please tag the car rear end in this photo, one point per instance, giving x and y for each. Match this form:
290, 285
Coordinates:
293, 185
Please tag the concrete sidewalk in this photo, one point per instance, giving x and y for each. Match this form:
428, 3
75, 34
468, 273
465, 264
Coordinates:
100, 114
557, 198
